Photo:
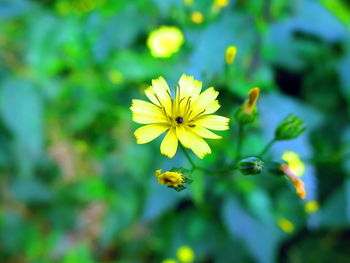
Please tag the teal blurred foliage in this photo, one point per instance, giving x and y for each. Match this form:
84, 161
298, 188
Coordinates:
75, 186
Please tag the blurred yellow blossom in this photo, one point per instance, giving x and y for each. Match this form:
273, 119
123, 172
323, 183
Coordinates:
311, 206
294, 162
115, 76
197, 17
286, 225
172, 179
231, 52
165, 41
221, 3
298, 184
185, 254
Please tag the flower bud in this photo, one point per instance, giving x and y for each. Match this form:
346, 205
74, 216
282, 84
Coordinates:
175, 178
248, 112
296, 181
230, 55
289, 128
251, 166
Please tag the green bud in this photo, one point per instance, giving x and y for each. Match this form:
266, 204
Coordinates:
251, 166
289, 128
246, 118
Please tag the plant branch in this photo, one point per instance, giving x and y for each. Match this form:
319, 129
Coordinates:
267, 147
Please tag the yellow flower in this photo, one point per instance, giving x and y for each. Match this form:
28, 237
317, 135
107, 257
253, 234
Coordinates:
286, 225
185, 254
165, 41
231, 52
197, 17
298, 184
294, 162
221, 3
187, 117
311, 206
172, 179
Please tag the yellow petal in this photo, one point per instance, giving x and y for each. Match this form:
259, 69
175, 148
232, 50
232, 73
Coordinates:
162, 93
145, 112
149, 132
140, 106
205, 133
212, 107
150, 95
169, 143
182, 134
203, 100
189, 87
214, 122
198, 145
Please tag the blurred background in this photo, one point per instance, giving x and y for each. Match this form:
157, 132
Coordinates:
75, 186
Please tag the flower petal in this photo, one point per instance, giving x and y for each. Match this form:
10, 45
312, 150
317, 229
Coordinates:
205, 133
212, 107
198, 145
214, 122
189, 87
204, 99
162, 93
150, 95
149, 132
145, 112
169, 143
183, 136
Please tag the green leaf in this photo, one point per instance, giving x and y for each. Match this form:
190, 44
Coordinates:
22, 112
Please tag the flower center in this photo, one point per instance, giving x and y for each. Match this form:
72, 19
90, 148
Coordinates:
179, 120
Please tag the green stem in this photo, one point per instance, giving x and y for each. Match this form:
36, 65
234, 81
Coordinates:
240, 137
267, 147
194, 166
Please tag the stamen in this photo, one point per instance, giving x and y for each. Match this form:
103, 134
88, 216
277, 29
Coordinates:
199, 114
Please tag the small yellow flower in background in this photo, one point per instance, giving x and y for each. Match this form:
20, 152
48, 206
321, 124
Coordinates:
165, 41
197, 17
298, 184
311, 206
286, 225
221, 3
185, 254
188, 2
169, 260
187, 117
172, 179
230, 56
294, 162
115, 76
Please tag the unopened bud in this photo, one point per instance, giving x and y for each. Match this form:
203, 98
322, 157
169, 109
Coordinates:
248, 112
289, 128
251, 166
